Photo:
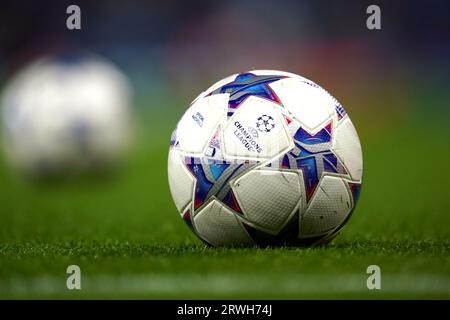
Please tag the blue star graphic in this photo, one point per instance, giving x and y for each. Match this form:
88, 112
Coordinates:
313, 155
212, 180
246, 85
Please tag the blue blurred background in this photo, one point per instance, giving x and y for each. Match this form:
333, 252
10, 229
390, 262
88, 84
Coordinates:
174, 49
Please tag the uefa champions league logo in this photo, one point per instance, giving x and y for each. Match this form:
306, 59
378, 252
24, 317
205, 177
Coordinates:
265, 123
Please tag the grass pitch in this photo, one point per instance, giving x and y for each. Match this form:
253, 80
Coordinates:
126, 236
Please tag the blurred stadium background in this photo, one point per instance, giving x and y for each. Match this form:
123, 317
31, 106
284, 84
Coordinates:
393, 82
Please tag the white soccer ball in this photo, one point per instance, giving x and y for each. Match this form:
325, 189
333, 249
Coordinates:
265, 157
66, 113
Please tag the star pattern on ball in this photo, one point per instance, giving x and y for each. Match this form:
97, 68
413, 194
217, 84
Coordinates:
246, 85
313, 155
213, 180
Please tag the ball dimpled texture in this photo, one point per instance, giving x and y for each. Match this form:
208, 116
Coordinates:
265, 158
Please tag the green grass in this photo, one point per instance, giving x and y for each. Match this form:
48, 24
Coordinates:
125, 234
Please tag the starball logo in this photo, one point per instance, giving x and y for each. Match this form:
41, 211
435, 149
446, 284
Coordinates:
265, 123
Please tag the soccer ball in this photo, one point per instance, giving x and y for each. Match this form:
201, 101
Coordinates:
66, 113
267, 158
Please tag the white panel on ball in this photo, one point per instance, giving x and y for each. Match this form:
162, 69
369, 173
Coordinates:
348, 148
181, 182
328, 208
218, 225
243, 138
199, 122
310, 105
278, 196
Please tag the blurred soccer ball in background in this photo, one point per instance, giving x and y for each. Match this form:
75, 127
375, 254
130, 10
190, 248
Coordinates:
265, 157
66, 113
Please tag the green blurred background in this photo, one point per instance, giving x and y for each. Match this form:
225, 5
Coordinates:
123, 229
